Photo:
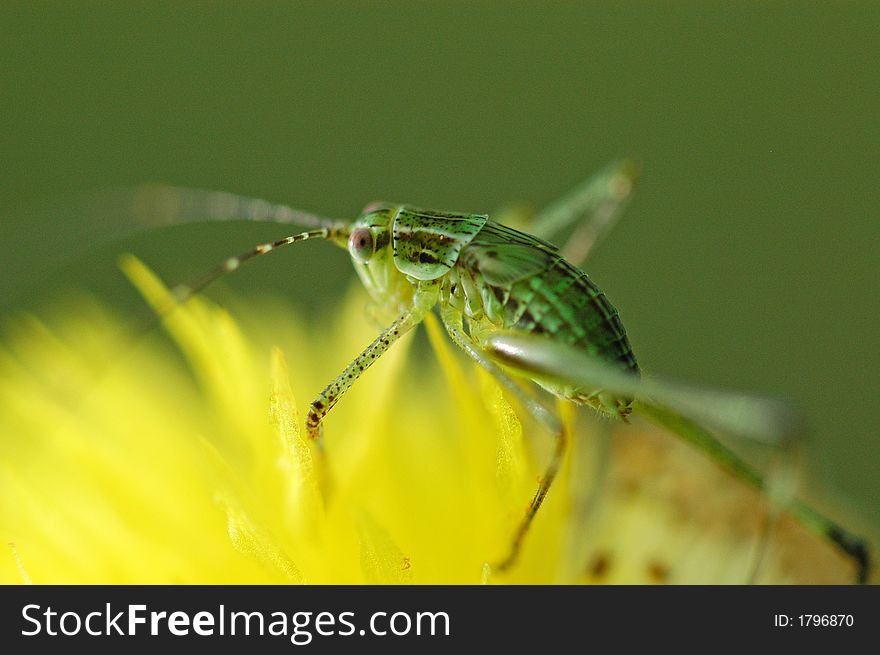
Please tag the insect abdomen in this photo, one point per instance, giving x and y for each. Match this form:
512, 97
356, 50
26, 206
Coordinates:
565, 304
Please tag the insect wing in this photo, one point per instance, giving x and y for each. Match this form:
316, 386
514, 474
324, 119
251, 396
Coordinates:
503, 255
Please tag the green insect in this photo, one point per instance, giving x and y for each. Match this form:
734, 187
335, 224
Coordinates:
519, 308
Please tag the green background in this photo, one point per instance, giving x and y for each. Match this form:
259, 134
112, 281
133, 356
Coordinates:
747, 260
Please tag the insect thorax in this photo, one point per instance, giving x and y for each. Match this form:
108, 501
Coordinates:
394, 247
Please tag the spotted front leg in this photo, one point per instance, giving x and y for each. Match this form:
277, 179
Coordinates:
425, 298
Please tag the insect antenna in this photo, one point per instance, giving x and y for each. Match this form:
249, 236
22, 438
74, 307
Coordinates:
180, 294
183, 292
73, 227
154, 205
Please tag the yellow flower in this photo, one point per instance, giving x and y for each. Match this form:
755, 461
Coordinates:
121, 464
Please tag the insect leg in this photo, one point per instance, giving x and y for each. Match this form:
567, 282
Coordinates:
424, 299
685, 411
452, 322
819, 524
585, 215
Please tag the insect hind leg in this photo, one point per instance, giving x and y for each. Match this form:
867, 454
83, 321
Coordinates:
547, 479
453, 324
777, 485
587, 213
694, 415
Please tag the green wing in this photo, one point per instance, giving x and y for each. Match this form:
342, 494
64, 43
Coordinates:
503, 255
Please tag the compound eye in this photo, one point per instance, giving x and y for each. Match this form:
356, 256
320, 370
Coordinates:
360, 244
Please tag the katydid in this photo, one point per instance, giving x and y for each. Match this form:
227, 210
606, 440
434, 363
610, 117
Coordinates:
518, 306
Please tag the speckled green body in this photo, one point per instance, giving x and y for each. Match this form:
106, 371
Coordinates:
498, 278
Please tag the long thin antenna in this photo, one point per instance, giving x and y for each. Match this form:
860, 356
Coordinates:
154, 205
72, 227
183, 292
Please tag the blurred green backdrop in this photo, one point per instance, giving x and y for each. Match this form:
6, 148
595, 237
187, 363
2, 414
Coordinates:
747, 260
